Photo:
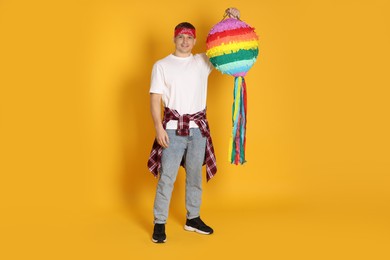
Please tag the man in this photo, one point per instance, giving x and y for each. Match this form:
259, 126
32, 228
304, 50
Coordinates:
182, 137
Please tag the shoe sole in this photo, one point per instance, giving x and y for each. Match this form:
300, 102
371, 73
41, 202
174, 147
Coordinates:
192, 229
159, 241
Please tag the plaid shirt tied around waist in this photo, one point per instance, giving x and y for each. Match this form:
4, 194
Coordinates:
183, 129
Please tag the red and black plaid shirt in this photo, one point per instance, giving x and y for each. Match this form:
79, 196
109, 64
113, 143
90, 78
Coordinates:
183, 129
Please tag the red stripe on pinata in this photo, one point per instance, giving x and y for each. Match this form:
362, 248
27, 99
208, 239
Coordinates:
234, 32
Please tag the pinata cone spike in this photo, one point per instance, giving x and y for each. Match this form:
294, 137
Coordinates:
232, 48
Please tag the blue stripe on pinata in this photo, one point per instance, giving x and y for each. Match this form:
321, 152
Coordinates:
236, 67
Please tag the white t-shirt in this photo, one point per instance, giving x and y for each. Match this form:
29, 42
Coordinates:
182, 81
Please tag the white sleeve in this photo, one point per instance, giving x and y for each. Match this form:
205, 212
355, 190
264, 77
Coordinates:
209, 66
157, 80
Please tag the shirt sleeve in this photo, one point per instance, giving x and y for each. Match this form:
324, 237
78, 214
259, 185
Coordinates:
208, 65
157, 80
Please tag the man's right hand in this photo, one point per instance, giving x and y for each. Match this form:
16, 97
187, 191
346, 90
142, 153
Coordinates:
155, 107
162, 137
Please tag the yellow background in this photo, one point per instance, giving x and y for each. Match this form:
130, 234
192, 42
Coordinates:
76, 132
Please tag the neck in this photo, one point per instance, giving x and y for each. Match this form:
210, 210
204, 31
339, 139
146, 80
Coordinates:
181, 54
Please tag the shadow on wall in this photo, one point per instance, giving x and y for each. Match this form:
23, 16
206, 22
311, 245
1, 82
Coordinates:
137, 135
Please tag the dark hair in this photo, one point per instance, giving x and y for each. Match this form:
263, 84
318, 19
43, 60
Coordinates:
184, 25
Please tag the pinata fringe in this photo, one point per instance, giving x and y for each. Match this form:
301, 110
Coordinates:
238, 137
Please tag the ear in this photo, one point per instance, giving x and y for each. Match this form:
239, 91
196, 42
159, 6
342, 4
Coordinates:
194, 41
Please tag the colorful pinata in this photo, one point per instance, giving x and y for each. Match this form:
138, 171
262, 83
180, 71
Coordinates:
232, 48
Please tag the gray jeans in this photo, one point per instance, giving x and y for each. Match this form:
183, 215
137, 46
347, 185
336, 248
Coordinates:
193, 148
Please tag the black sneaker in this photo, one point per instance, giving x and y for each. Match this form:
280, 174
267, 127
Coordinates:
159, 235
197, 225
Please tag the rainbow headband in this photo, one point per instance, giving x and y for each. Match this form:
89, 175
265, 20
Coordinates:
185, 31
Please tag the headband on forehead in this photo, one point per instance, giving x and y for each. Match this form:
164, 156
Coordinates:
185, 31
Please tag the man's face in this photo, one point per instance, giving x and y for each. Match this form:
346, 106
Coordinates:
184, 44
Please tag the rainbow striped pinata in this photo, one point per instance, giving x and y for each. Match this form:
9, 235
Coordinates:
232, 48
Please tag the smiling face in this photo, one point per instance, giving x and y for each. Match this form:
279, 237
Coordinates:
184, 39
184, 44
